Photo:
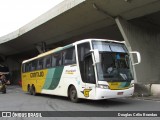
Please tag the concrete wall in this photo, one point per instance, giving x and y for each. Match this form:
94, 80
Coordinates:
147, 43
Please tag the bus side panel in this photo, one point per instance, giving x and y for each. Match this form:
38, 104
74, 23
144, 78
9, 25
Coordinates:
24, 82
69, 76
56, 81
36, 78
53, 78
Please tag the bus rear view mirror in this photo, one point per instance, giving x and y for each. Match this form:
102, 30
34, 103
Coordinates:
96, 55
138, 57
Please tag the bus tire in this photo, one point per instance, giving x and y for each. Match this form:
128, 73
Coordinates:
28, 88
34, 91
30, 91
73, 94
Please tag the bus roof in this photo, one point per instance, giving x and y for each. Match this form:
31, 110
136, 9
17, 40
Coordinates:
94, 39
67, 46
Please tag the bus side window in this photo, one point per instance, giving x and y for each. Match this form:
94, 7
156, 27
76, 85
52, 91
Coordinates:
69, 56
33, 65
23, 68
29, 66
26, 67
47, 62
40, 64
56, 59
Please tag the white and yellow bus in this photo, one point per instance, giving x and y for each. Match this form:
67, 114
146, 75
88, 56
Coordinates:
88, 69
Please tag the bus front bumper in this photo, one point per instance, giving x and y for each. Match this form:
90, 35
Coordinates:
107, 93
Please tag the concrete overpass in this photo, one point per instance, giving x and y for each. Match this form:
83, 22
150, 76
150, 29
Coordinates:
135, 21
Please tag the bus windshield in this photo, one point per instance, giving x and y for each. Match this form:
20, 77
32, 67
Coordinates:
115, 62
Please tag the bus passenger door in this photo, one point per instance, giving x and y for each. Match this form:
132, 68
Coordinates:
89, 77
86, 70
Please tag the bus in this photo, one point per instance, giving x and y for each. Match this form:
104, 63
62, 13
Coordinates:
87, 69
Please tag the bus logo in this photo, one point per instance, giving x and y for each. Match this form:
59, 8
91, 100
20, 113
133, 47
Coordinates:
37, 74
86, 92
70, 71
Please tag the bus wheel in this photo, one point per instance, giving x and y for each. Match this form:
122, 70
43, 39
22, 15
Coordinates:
30, 90
73, 94
34, 91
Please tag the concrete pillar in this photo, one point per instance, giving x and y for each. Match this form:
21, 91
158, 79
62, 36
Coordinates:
147, 43
14, 66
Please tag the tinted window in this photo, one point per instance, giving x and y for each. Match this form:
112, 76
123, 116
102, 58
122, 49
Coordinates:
33, 65
40, 64
23, 68
28, 67
48, 62
56, 59
69, 56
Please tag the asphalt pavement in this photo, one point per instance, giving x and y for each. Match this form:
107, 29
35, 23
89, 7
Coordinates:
17, 100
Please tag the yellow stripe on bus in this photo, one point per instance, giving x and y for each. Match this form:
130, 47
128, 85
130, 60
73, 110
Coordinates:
37, 78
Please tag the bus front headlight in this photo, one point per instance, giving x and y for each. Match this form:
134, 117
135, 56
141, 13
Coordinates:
103, 86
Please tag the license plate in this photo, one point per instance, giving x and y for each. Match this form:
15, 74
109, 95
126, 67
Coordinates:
120, 93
